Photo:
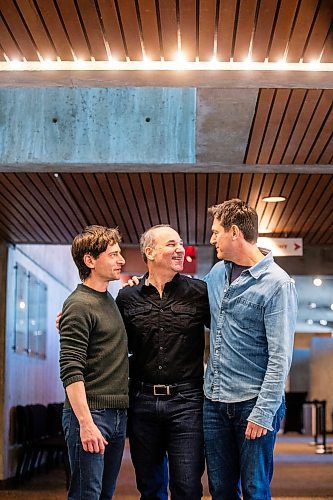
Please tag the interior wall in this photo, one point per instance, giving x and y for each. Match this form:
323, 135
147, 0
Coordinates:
321, 373
31, 380
3, 278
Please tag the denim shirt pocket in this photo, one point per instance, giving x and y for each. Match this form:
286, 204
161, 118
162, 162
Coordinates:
248, 315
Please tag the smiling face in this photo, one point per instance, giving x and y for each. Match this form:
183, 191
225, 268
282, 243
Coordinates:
167, 250
107, 266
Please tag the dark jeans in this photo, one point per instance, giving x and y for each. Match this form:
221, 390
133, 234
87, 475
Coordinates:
172, 426
233, 462
94, 476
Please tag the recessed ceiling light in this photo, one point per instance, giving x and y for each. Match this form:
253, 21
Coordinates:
309, 321
323, 322
317, 282
332, 307
273, 199
312, 305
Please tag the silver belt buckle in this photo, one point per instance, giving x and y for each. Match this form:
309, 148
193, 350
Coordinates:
159, 390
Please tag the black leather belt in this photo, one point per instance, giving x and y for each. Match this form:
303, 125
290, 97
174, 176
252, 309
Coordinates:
166, 389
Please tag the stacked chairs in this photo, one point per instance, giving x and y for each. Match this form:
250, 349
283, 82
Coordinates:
39, 432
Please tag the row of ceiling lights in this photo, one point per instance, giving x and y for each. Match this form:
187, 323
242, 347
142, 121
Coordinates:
179, 62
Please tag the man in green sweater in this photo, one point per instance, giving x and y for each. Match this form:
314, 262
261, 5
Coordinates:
94, 367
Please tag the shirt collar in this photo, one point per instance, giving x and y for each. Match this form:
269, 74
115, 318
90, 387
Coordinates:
143, 288
261, 266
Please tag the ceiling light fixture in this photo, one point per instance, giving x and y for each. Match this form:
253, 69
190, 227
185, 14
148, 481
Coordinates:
323, 322
317, 282
312, 305
273, 199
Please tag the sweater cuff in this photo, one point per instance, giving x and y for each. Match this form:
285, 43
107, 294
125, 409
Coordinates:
71, 380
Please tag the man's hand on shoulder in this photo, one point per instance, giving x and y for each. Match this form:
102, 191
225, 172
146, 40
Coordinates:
254, 431
58, 320
91, 438
135, 280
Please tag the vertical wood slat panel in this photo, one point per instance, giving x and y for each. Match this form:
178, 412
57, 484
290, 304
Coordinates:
314, 227
7, 43
304, 118
44, 191
244, 29
317, 153
13, 221
151, 197
282, 30
131, 29
278, 109
289, 122
124, 194
171, 201
93, 29
188, 29
18, 30
206, 29
112, 29
302, 26
226, 28
245, 186
106, 183
150, 29
264, 29
201, 207
324, 106
327, 154
266, 188
96, 184
169, 28
180, 187
314, 205
327, 55
36, 28
140, 200
56, 30
265, 99
212, 199
287, 191
298, 188
301, 206
319, 32
17, 195
191, 207
36, 203
257, 181
277, 189
73, 27
158, 188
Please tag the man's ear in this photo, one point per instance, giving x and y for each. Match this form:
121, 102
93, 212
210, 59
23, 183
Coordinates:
235, 232
149, 253
89, 261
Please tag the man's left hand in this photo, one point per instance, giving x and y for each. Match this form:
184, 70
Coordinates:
254, 431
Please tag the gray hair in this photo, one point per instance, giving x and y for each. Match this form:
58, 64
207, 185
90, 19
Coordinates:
148, 239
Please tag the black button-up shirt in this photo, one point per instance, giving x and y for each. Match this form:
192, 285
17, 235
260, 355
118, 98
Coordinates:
166, 335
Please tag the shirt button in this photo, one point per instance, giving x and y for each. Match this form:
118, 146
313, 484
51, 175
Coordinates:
160, 367
161, 348
161, 328
161, 310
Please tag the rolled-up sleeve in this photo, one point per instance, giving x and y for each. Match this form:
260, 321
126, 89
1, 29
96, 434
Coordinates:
280, 323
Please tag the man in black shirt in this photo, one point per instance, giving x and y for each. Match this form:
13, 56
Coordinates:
164, 318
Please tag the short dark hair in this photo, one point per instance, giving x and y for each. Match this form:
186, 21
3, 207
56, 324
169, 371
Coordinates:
237, 212
148, 239
93, 240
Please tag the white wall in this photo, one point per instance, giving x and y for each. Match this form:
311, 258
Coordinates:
30, 380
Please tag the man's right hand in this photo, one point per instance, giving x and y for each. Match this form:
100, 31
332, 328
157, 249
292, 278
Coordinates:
92, 439
135, 280
58, 320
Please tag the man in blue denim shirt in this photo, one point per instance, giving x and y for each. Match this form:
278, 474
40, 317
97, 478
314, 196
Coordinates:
253, 307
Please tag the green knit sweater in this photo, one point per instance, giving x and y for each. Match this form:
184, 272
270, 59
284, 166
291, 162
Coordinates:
93, 348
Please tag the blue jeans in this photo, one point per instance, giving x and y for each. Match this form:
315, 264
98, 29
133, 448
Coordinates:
94, 476
171, 426
236, 464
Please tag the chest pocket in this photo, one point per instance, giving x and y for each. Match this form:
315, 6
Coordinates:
184, 316
139, 312
248, 315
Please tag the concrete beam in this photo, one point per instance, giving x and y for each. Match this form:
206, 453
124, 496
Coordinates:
205, 79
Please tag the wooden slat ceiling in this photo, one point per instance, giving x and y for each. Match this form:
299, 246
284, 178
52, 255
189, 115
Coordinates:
44, 208
293, 30
292, 126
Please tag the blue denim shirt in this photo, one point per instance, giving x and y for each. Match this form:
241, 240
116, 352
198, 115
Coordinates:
253, 322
